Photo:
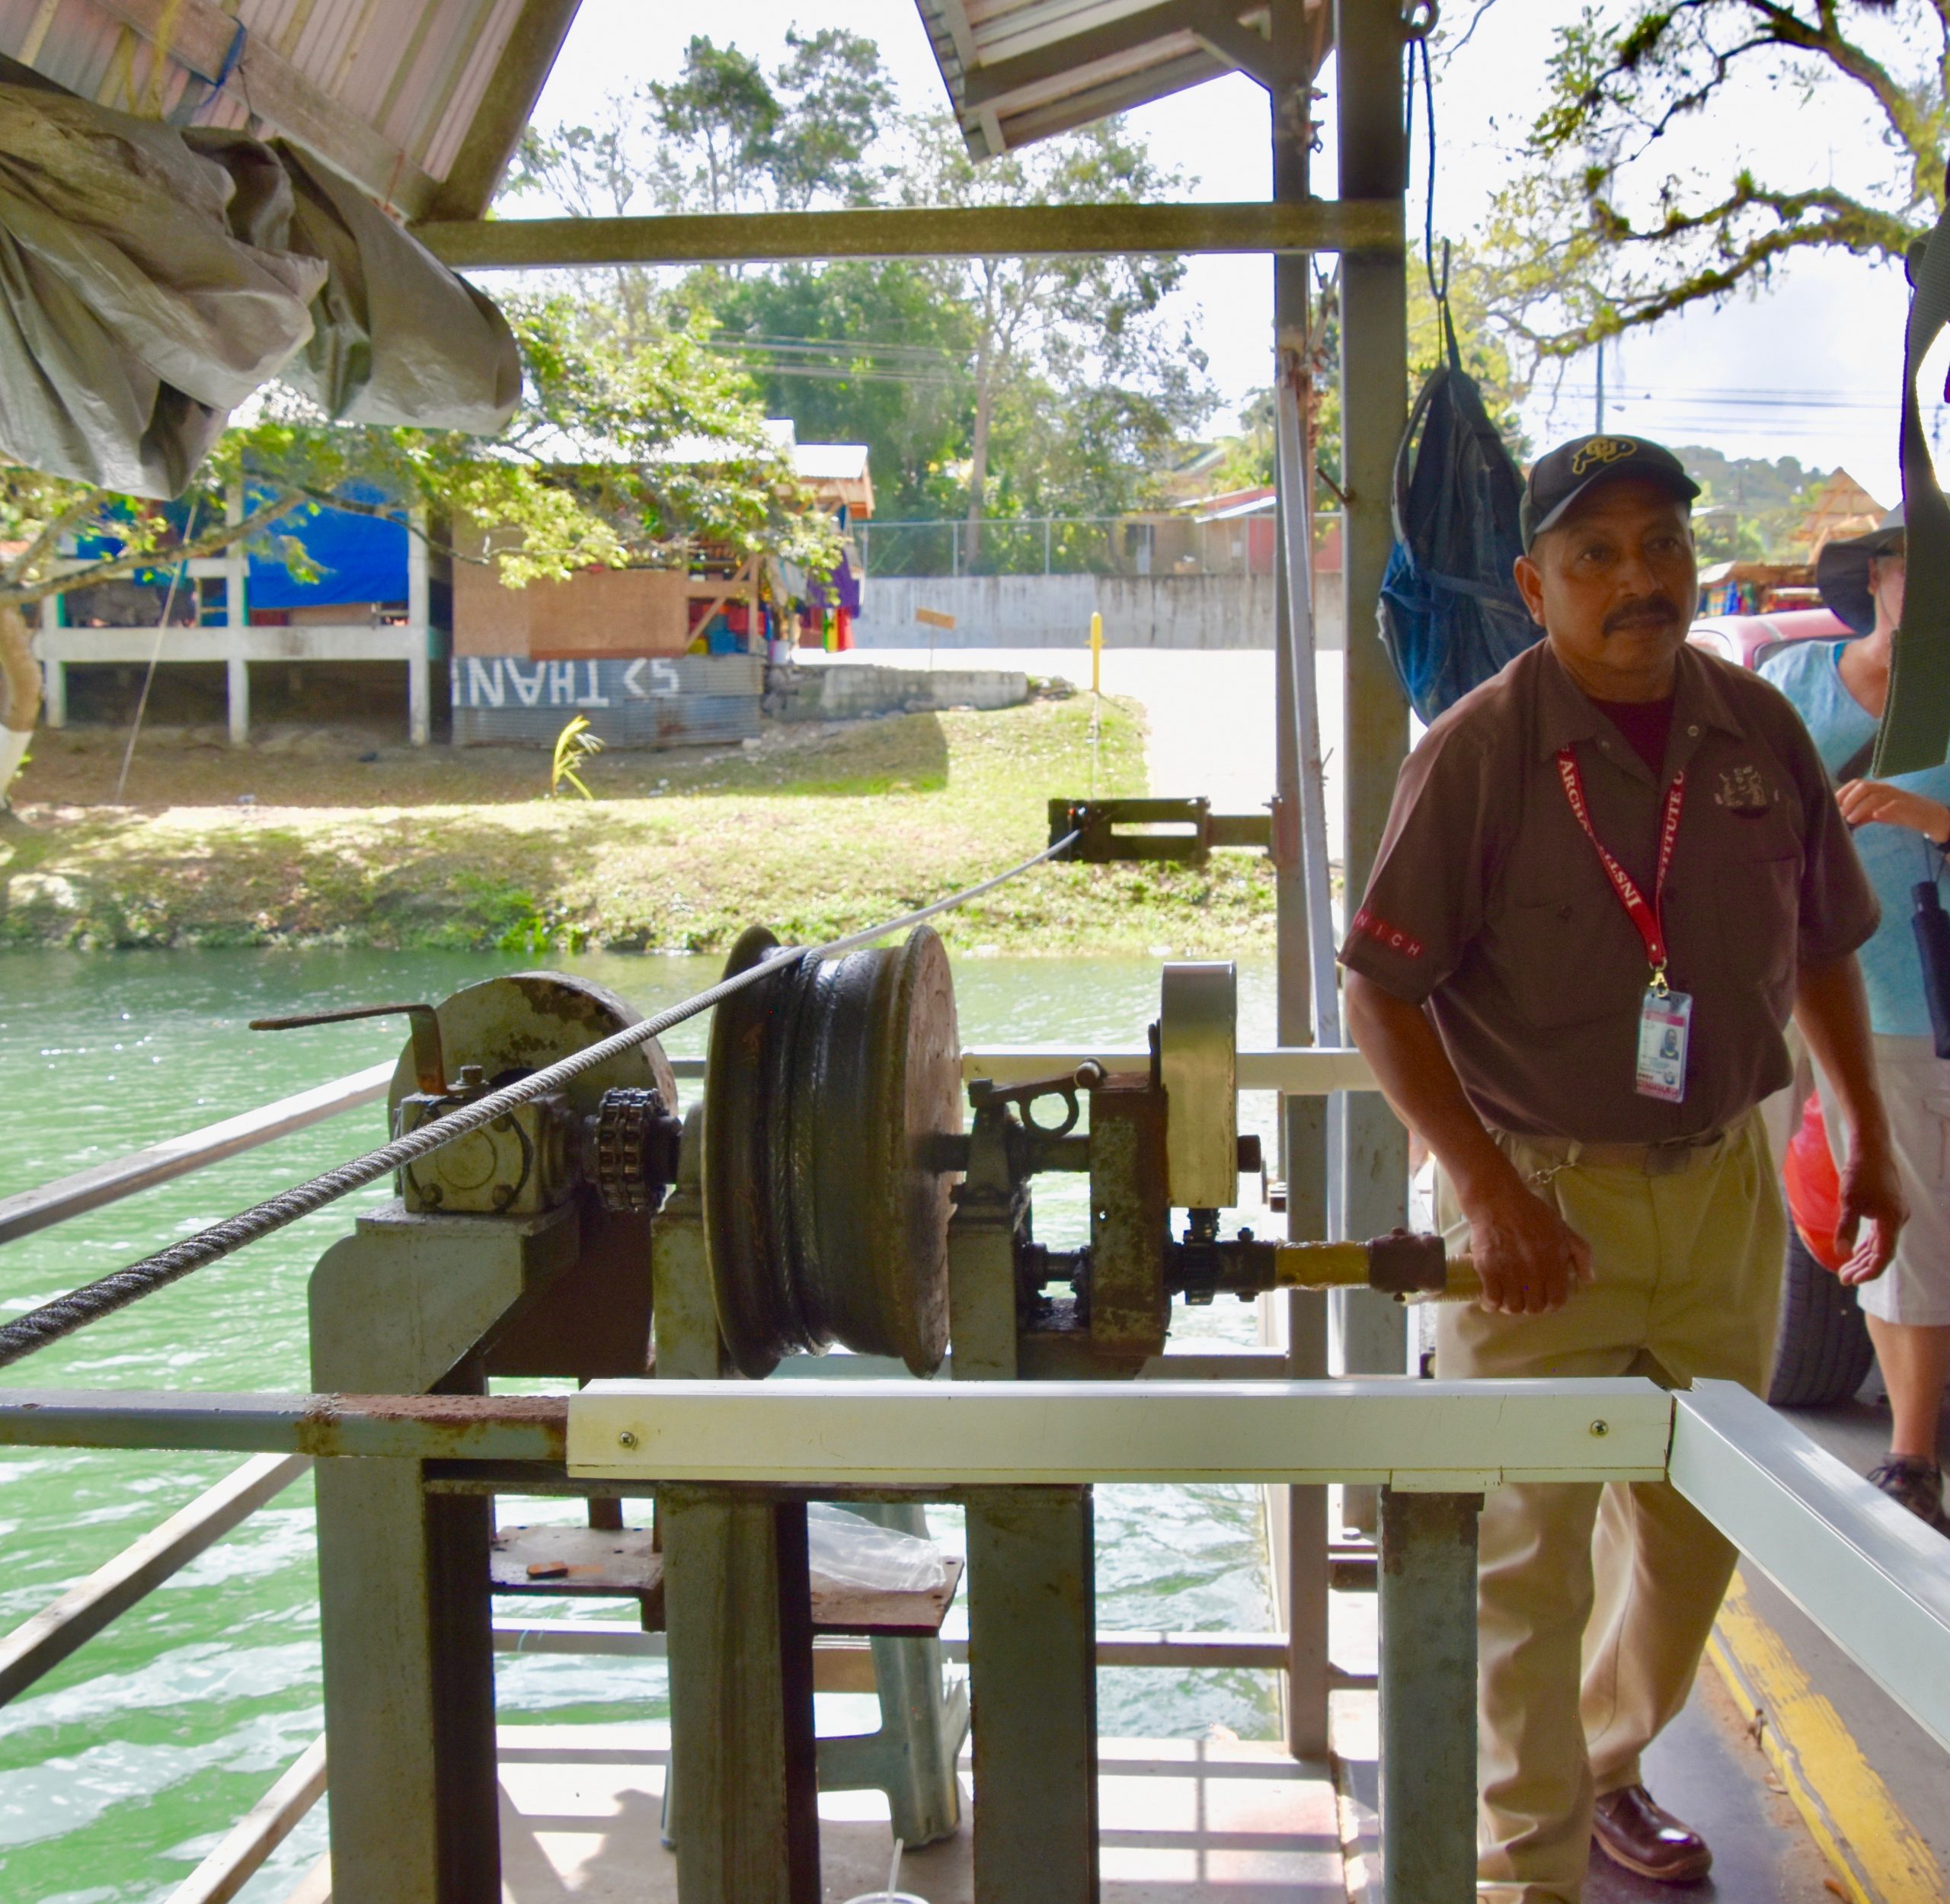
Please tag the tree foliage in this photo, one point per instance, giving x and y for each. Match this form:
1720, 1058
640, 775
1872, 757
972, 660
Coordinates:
861, 350
1250, 454
1080, 389
981, 387
1614, 225
616, 455
1750, 509
725, 136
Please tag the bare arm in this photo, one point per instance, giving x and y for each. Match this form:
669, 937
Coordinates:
1525, 1254
1832, 1011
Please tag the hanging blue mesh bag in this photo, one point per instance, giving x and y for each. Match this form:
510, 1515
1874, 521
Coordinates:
1450, 614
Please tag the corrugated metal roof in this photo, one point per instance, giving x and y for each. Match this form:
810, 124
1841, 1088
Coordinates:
386, 91
1020, 70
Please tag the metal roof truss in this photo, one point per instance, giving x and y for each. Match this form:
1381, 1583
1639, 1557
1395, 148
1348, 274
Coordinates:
1017, 70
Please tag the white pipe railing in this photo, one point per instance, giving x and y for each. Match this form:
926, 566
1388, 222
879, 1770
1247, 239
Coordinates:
1420, 1436
1298, 1071
1870, 1574
39, 1643
102, 1183
259, 1833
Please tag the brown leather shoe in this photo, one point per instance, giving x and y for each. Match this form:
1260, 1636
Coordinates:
1631, 1830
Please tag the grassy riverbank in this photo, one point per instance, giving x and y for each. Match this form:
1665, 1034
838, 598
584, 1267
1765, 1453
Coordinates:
324, 838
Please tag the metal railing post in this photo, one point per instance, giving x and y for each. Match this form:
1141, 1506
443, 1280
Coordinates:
1372, 137
41, 1642
420, 620
53, 673
1305, 975
237, 666
1428, 1696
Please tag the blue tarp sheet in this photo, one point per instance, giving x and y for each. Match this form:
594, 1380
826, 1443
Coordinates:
361, 559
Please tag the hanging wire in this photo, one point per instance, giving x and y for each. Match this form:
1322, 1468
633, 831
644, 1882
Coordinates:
155, 654
1438, 287
65, 1314
1419, 47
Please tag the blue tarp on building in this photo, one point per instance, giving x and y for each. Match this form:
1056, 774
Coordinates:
360, 558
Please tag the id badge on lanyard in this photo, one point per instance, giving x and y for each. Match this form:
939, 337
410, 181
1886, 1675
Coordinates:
1665, 1016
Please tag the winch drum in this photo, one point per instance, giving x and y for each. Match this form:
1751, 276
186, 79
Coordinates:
829, 1090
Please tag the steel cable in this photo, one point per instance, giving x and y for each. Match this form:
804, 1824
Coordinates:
90, 1303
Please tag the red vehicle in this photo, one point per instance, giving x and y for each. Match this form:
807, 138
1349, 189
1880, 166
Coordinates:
1749, 639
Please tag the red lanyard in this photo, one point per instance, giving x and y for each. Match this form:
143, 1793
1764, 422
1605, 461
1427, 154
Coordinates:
1645, 918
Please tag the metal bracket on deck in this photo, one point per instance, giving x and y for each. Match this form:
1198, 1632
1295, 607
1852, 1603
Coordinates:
1194, 830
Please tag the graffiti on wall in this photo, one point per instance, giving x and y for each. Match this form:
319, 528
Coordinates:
500, 681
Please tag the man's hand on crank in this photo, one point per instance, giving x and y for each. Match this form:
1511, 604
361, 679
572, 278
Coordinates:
1527, 1258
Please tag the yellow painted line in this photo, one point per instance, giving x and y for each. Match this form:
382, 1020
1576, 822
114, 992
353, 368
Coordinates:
1849, 1811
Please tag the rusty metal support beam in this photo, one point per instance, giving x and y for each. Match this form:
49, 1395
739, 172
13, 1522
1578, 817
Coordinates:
423, 1428
1371, 132
932, 231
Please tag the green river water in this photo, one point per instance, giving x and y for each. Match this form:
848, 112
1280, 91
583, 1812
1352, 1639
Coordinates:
124, 1766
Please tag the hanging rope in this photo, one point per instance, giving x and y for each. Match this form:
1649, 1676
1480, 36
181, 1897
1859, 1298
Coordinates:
155, 654
1438, 287
65, 1314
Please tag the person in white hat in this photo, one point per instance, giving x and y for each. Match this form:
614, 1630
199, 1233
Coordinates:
1902, 830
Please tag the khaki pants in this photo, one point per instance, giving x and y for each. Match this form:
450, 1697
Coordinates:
1593, 1613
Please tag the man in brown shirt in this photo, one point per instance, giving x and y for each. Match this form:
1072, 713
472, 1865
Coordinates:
1610, 875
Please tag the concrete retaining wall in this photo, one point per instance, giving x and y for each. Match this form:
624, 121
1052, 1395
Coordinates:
847, 692
1054, 611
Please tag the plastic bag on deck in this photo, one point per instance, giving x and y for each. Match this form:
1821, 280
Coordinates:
851, 1550
1450, 614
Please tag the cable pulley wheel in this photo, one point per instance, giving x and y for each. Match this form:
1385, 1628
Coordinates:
828, 1090
514, 1024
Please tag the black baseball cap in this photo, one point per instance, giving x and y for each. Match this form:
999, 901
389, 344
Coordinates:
1558, 479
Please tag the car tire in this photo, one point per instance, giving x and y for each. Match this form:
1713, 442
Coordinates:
1822, 1351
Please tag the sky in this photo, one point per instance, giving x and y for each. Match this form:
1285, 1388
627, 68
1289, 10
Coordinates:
1811, 368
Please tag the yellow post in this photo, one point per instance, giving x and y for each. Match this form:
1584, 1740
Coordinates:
1096, 651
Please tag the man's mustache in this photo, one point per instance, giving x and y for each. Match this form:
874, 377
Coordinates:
1659, 610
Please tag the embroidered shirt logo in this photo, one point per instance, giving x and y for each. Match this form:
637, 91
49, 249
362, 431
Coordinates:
1743, 791
1601, 451
1382, 934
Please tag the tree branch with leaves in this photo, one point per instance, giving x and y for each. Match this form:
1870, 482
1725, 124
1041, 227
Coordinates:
1613, 226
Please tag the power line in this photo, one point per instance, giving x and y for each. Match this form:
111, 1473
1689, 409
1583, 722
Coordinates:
1729, 400
836, 375
870, 346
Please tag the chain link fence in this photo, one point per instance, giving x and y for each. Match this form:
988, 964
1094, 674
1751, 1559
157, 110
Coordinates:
1005, 546
1162, 544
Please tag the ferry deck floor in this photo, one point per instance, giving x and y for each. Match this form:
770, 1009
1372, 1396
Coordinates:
1809, 1782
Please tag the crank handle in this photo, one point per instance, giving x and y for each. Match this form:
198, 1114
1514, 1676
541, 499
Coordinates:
429, 1064
1411, 1269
